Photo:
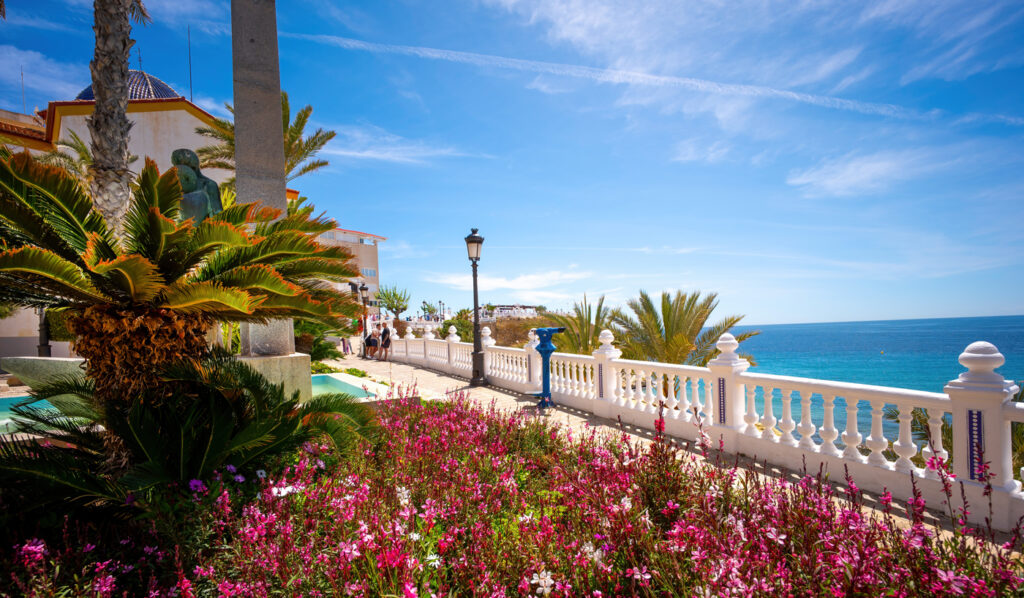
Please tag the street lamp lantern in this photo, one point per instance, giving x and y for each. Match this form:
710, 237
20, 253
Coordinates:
473, 244
364, 292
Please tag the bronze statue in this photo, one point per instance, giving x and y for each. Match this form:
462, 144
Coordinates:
200, 194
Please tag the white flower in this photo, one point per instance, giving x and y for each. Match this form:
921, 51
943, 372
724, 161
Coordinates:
594, 554
526, 518
404, 496
414, 537
626, 503
543, 581
261, 474
283, 491
433, 560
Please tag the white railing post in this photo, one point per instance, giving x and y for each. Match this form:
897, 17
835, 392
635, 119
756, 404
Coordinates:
605, 383
980, 431
730, 403
452, 338
533, 362
486, 342
409, 336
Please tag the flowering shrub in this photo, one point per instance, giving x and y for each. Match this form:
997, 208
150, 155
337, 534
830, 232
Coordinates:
460, 500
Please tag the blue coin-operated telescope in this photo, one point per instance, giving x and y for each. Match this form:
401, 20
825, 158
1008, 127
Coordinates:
545, 347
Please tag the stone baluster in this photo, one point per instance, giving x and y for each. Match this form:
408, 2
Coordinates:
787, 425
675, 387
768, 420
904, 445
877, 442
935, 448
980, 431
852, 437
806, 427
828, 432
750, 416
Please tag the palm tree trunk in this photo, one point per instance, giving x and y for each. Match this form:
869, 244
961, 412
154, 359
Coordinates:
109, 125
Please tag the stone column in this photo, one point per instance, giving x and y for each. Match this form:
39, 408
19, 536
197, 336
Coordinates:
980, 429
603, 357
534, 363
487, 342
730, 396
259, 171
259, 146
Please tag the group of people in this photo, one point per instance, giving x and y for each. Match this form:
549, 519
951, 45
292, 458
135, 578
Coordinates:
378, 342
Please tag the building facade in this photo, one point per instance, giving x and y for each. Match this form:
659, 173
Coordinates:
363, 247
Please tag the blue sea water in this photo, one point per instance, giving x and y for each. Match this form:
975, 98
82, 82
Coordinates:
915, 354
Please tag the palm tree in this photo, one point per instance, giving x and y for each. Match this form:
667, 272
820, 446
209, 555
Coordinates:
675, 333
299, 151
152, 298
75, 157
393, 299
109, 125
583, 327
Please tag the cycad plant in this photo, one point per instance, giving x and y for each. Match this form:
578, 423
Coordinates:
217, 411
676, 331
152, 297
583, 327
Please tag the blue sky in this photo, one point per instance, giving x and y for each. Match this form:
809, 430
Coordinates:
808, 161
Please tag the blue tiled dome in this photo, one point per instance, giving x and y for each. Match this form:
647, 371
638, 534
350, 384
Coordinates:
141, 86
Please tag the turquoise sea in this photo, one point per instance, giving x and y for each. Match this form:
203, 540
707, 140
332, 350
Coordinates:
915, 354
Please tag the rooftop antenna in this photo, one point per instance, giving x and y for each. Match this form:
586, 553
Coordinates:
190, 97
24, 104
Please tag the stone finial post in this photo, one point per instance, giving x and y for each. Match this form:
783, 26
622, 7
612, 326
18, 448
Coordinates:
533, 362
451, 339
486, 342
980, 430
730, 398
408, 334
429, 334
603, 357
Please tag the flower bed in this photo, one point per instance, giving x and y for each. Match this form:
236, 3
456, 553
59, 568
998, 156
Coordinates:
459, 500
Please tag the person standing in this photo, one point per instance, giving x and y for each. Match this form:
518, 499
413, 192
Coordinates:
385, 342
372, 341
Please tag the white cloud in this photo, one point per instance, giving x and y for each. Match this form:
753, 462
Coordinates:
535, 283
546, 85
52, 79
859, 174
16, 19
692, 150
615, 76
368, 142
214, 107
397, 249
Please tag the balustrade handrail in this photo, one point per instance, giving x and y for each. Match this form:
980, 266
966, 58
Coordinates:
868, 392
1014, 412
692, 369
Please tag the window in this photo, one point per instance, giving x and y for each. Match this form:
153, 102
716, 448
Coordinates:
369, 272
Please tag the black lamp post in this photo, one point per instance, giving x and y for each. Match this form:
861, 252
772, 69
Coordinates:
43, 348
473, 244
364, 294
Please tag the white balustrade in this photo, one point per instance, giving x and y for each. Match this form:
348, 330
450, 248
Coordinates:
881, 435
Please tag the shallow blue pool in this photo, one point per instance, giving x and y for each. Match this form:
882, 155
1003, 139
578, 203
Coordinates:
325, 383
6, 415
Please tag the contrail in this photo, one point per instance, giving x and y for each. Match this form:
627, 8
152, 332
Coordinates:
616, 76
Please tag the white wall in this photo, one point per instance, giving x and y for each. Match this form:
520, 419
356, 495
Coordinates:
154, 135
